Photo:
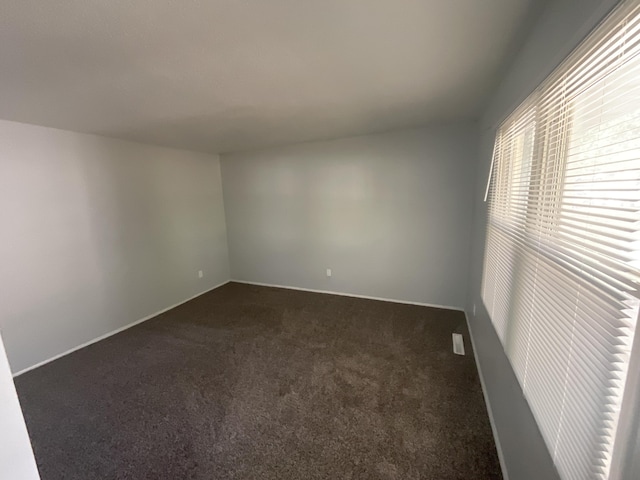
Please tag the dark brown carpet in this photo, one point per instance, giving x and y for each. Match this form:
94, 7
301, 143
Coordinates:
251, 382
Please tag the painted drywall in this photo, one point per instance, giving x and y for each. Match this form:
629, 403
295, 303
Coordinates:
16, 456
98, 233
221, 75
389, 214
559, 29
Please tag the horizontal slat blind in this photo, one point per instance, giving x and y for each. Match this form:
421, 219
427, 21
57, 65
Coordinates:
562, 259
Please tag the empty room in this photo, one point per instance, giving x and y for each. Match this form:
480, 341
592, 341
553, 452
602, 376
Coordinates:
337, 239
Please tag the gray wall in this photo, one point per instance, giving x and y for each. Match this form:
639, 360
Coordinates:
98, 233
559, 29
389, 214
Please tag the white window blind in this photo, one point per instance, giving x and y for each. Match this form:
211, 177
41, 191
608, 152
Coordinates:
562, 259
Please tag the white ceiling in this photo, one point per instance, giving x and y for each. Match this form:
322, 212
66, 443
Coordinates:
224, 75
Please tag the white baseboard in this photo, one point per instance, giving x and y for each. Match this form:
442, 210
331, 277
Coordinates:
148, 317
343, 294
109, 334
494, 430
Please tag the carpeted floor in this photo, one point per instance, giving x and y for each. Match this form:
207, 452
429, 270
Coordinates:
250, 382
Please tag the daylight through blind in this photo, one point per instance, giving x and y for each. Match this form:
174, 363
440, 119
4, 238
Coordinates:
562, 261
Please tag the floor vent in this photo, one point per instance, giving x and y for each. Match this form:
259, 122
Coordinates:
458, 344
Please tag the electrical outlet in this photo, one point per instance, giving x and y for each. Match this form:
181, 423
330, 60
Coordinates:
328, 272
200, 274
474, 309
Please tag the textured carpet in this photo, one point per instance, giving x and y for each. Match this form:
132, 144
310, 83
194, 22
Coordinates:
251, 382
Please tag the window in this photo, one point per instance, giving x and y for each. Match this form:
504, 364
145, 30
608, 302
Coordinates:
562, 260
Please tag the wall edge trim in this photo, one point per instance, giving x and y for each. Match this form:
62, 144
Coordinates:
485, 394
353, 295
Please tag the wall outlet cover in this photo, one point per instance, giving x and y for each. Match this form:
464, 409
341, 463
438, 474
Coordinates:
200, 274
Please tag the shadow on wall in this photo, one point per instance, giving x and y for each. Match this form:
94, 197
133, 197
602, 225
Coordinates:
389, 213
99, 233
141, 227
